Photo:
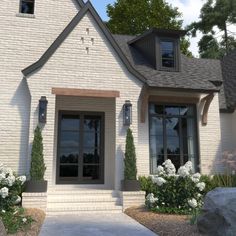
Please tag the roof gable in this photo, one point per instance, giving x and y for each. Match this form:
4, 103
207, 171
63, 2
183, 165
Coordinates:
70, 27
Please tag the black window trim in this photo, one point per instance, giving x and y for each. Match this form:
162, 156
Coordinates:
176, 43
197, 141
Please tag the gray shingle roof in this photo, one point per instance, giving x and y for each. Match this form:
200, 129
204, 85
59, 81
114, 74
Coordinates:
228, 95
195, 73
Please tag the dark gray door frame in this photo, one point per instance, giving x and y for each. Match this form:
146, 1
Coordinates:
79, 179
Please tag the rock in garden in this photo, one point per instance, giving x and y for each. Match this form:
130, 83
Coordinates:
219, 213
2, 229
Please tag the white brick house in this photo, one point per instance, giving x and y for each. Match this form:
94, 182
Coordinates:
65, 53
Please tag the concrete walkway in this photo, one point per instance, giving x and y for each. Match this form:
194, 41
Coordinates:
116, 224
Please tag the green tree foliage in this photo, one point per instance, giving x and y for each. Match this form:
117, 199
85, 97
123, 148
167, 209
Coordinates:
37, 161
220, 14
130, 169
133, 17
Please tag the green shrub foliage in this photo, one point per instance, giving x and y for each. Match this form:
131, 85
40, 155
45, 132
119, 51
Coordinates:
130, 168
37, 161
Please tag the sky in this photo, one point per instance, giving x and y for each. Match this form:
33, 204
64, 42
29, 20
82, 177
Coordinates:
189, 8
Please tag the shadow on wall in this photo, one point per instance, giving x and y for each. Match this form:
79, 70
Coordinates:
22, 99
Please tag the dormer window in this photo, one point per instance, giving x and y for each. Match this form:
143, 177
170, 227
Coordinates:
27, 6
167, 54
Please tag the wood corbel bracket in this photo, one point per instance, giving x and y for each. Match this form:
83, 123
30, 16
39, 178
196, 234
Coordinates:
206, 101
144, 103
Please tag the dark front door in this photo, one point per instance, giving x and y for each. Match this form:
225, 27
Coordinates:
80, 158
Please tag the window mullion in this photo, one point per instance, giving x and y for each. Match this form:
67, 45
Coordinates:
164, 137
181, 142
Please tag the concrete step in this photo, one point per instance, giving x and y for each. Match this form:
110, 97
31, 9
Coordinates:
83, 199
76, 209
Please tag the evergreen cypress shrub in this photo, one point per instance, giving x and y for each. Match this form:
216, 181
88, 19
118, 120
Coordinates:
130, 169
38, 167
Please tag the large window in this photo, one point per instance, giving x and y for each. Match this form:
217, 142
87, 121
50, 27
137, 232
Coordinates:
172, 135
167, 54
27, 6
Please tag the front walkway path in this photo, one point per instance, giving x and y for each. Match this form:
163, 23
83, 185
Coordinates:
93, 224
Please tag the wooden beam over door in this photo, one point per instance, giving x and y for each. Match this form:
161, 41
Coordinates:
86, 92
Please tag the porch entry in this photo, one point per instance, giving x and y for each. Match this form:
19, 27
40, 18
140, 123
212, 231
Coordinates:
80, 154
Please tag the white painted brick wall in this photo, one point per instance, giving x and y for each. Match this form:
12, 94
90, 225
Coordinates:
228, 131
23, 40
210, 139
72, 67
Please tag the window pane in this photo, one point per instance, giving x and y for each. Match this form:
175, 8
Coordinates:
70, 122
171, 110
156, 126
186, 110
175, 160
69, 171
167, 53
91, 172
91, 155
156, 143
168, 63
173, 145
156, 109
69, 155
172, 127
155, 161
27, 6
69, 139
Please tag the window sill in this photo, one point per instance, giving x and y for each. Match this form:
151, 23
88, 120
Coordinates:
25, 15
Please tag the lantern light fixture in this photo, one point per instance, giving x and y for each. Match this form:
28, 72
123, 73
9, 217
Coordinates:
43, 102
127, 113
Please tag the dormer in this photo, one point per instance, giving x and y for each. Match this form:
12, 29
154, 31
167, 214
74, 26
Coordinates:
160, 47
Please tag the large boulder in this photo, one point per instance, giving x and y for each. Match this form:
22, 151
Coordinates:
219, 213
2, 229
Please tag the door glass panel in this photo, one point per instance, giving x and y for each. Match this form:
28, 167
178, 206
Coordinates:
92, 124
70, 122
91, 140
91, 155
156, 143
69, 155
69, 170
172, 127
91, 172
171, 110
175, 160
69, 139
173, 145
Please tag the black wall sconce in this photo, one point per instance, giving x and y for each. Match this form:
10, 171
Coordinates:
43, 102
127, 113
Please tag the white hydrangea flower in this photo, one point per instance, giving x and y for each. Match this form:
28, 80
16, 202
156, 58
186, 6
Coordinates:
160, 170
183, 171
201, 186
169, 167
159, 181
189, 166
3, 211
22, 179
150, 198
2, 176
196, 177
4, 192
24, 220
199, 195
7, 171
10, 180
192, 203
18, 200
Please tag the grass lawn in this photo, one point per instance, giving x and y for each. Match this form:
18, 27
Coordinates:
163, 224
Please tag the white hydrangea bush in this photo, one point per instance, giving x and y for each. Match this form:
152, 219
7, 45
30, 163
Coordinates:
10, 188
177, 191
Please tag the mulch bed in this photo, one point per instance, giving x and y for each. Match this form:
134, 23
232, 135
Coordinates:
38, 217
163, 224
